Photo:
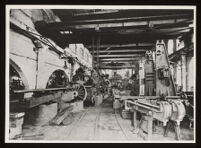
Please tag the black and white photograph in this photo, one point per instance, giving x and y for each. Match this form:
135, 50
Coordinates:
100, 74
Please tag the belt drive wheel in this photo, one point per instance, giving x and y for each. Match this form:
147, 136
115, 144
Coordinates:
81, 92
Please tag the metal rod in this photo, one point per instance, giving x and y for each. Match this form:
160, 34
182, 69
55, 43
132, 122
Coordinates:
41, 90
144, 106
139, 97
172, 97
151, 105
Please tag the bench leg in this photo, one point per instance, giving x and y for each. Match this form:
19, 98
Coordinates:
149, 127
177, 131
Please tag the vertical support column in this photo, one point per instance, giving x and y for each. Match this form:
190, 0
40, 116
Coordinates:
97, 50
93, 51
141, 77
183, 71
40, 56
72, 70
37, 53
175, 72
41, 62
174, 45
175, 64
166, 45
135, 128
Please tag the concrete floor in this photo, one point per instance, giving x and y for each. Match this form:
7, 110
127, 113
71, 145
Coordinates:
98, 123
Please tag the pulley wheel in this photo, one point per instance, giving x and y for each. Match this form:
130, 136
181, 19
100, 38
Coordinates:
81, 92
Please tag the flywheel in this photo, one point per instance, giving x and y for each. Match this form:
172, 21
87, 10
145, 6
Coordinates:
81, 92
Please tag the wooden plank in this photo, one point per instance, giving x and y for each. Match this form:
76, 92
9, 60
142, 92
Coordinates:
57, 120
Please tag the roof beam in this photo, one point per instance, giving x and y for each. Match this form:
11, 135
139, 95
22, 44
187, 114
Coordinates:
129, 24
154, 31
134, 45
116, 67
131, 18
119, 62
119, 59
118, 56
121, 51
96, 12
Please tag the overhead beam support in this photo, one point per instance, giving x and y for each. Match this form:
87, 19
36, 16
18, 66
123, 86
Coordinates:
95, 12
119, 64
137, 46
123, 51
129, 24
116, 67
131, 18
119, 55
119, 59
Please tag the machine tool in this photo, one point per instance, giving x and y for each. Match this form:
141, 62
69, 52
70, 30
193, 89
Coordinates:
157, 100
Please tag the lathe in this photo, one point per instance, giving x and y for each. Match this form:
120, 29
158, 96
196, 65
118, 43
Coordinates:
67, 94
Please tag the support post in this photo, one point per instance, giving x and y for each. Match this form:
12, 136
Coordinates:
92, 51
141, 78
149, 127
135, 128
174, 45
177, 131
71, 72
40, 60
166, 129
97, 50
183, 71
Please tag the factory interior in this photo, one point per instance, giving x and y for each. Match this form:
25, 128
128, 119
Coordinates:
101, 75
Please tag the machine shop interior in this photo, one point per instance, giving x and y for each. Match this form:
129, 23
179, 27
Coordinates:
101, 74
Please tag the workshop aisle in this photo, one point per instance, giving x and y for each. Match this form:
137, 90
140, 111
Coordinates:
99, 123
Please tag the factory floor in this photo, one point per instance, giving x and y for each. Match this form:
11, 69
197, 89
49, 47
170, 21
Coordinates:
99, 123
